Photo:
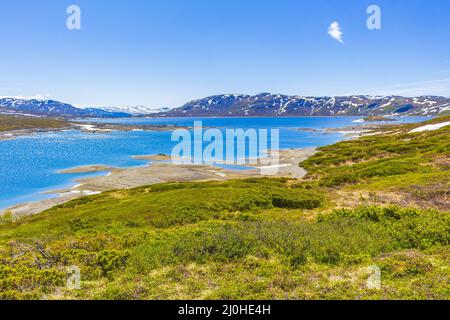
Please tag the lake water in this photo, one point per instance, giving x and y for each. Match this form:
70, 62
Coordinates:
29, 165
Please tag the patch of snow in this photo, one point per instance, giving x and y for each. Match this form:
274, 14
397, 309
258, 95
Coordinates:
372, 134
87, 127
431, 127
90, 193
387, 104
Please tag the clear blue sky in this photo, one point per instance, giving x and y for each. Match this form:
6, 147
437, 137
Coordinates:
166, 52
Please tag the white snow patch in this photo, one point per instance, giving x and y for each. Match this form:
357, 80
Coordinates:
90, 193
88, 127
431, 127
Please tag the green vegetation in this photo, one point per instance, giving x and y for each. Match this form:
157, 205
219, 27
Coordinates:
255, 238
10, 123
378, 118
414, 166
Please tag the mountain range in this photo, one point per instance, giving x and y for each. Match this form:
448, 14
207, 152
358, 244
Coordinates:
137, 110
261, 105
54, 108
266, 104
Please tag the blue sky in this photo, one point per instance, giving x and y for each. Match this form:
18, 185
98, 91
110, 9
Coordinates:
165, 52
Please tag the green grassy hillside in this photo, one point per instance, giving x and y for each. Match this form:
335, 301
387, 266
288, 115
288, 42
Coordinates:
405, 168
262, 238
9, 123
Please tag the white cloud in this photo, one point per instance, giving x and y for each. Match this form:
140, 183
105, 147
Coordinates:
334, 30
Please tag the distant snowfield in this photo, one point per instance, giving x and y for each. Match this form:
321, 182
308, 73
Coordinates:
431, 127
137, 110
87, 127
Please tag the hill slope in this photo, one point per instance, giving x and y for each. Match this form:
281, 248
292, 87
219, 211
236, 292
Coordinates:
10, 122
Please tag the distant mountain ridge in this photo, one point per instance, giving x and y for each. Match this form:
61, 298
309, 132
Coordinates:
136, 110
54, 108
235, 105
266, 104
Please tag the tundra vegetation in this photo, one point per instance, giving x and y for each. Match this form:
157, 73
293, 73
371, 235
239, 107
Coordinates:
381, 200
10, 123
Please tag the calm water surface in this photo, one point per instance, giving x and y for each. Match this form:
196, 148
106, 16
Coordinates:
29, 165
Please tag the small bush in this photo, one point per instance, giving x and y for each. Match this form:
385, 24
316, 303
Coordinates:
78, 224
405, 265
110, 260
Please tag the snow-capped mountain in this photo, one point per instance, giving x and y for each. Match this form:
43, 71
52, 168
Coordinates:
261, 105
266, 104
54, 108
136, 110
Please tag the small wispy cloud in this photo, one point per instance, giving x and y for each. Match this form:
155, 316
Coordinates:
334, 30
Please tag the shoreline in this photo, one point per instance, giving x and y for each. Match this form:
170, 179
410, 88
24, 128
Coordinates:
154, 172
98, 127
159, 170
87, 127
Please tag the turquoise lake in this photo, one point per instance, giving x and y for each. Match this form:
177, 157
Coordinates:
29, 165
